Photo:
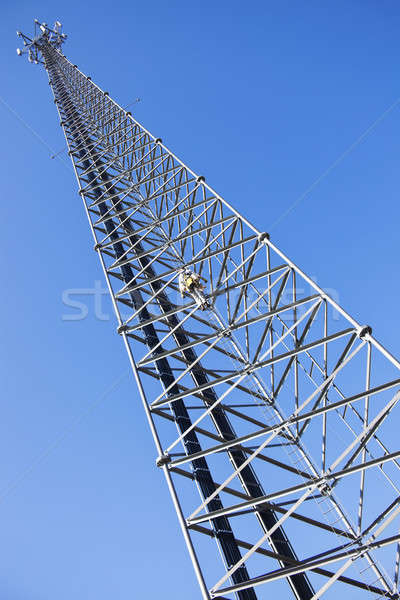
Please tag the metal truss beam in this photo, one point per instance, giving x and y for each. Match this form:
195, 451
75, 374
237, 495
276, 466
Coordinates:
274, 362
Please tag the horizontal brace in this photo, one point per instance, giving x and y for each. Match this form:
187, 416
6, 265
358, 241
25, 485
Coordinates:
190, 207
127, 191
294, 489
305, 416
270, 506
179, 239
310, 565
162, 316
152, 225
121, 176
280, 557
259, 365
146, 179
109, 182
157, 223
232, 328
214, 295
172, 189
105, 155
123, 211
188, 264
140, 165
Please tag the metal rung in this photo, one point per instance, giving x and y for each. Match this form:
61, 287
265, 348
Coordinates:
328, 511
366, 569
337, 521
298, 460
377, 579
293, 452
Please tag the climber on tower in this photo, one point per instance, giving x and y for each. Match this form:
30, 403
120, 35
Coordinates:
189, 283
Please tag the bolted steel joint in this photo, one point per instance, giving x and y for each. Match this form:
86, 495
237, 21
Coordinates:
325, 488
97, 247
226, 332
158, 141
165, 459
200, 179
249, 368
122, 329
263, 236
363, 331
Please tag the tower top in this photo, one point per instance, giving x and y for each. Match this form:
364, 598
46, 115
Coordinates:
43, 33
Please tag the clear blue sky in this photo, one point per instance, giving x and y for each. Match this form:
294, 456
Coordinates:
261, 97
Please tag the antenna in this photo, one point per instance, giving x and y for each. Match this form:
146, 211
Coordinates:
49, 35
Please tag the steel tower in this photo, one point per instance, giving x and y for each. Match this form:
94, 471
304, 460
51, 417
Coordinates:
274, 413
